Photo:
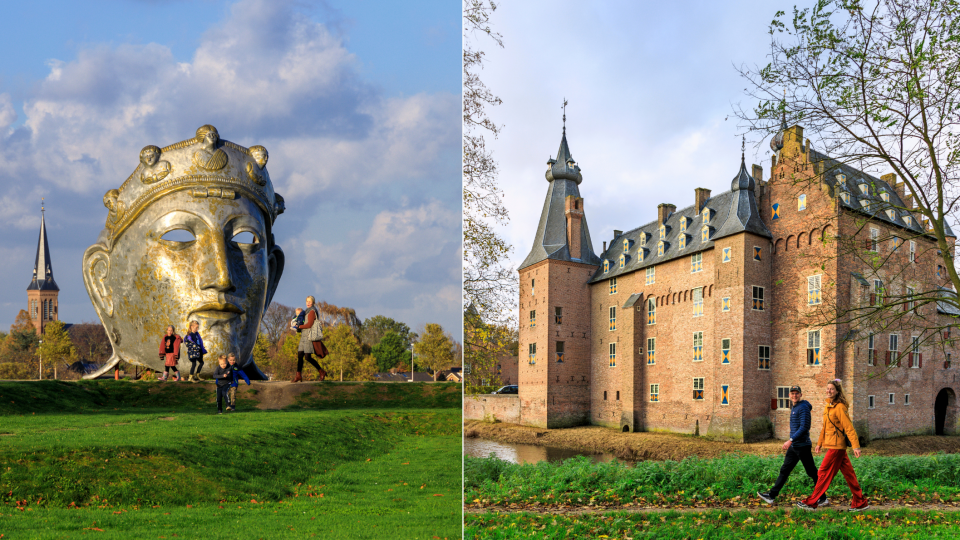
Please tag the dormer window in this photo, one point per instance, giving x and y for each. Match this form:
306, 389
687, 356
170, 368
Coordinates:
660, 248
908, 220
885, 195
892, 214
683, 241
643, 239
706, 215
606, 266
705, 233
623, 261
841, 179
865, 189
663, 232
846, 197
865, 205
640, 254
683, 224
626, 245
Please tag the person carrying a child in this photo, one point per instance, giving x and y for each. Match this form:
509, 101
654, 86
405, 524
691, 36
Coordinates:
223, 375
195, 350
170, 352
237, 373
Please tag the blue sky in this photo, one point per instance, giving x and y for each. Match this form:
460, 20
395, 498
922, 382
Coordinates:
357, 101
651, 88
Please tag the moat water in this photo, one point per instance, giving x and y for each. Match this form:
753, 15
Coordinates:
524, 453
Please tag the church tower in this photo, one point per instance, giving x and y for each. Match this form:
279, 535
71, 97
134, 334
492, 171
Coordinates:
554, 374
42, 292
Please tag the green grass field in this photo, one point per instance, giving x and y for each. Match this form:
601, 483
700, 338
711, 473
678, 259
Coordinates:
121, 460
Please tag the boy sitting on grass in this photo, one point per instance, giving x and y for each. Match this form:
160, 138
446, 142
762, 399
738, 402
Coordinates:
223, 375
235, 382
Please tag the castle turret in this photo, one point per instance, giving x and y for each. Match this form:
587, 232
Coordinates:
43, 291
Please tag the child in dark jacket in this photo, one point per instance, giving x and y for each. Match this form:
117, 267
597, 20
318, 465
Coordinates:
223, 375
237, 373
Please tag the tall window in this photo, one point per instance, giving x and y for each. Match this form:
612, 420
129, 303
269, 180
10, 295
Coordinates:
871, 352
757, 253
764, 357
896, 239
613, 317
893, 356
698, 346
801, 202
651, 311
533, 318
533, 286
696, 262
874, 239
613, 354
698, 388
871, 402
813, 290
532, 353
725, 304
698, 302
651, 275
757, 298
726, 255
911, 303
813, 348
913, 251
725, 351
877, 296
613, 285
559, 351
651, 351
654, 392
558, 315
783, 397
915, 357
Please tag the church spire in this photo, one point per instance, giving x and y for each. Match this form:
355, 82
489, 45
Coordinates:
42, 267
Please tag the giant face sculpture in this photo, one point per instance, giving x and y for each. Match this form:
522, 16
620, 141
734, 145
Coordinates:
195, 244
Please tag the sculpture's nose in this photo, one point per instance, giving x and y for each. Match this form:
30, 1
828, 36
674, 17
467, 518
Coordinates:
216, 267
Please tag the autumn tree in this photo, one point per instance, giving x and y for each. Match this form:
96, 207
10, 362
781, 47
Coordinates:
365, 369
486, 345
56, 347
345, 351
435, 349
276, 320
376, 327
18, 352
488, 284
876, 86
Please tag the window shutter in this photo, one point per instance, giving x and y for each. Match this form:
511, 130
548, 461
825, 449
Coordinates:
873, 299
773, 404
888, 358
910, 359
920, 359
905, 306
809, 356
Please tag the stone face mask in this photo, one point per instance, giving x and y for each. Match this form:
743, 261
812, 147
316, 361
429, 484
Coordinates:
188, 237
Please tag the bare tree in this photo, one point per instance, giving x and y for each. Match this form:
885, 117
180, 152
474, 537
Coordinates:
877, 85
276, 319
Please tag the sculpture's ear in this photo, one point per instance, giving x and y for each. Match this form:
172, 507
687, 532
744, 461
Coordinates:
275, 264
96, 268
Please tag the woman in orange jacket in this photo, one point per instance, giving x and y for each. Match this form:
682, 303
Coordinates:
837, 428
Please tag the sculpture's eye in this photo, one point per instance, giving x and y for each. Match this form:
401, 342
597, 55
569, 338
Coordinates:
245, 239
178, 236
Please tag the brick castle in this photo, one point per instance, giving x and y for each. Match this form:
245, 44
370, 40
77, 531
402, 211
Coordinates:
700, 321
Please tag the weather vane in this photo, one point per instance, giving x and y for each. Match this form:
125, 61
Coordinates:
41, 205
743, 147
564, 116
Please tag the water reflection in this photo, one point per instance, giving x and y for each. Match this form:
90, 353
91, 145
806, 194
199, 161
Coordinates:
524, 453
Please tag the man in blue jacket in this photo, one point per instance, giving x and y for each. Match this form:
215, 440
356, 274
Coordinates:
797, 447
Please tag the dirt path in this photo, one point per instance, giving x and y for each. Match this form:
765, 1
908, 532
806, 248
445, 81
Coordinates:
663, 446
275, 394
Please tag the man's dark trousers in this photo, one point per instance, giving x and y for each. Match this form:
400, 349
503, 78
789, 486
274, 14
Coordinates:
803, 455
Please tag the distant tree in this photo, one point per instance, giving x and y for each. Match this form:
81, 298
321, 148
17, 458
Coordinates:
365, 369
435, 350
485, 345
331, 315
18, 352
377, 326
57, 348
261, 351
276, 320
345, 352
391, 352
284, 361
90, 340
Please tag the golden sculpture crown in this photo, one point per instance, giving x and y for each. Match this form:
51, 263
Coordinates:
203, 165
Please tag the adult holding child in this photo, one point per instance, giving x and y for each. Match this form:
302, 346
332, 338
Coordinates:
311, 330
836, 434
195, 350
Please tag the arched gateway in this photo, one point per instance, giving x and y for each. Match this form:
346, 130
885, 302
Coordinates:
945, 412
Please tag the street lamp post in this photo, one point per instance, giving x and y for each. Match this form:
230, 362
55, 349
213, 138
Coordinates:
411, 362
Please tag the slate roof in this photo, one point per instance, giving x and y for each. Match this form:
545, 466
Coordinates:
731, 212
550, 242
875, 206
947, 308
42, 266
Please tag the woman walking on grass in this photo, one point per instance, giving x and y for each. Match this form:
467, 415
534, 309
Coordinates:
170, 352
195, 350
305, 348
835, 435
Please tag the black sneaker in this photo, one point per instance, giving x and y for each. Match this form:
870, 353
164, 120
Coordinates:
823, 502
765, 495
804, 506
860, 509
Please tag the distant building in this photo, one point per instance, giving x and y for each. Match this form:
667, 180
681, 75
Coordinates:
689, 323
43, 291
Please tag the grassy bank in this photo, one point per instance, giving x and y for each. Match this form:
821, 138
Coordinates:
717, 525
727, 480
123, 462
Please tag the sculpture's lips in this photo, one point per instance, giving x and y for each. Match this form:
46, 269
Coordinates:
218, 310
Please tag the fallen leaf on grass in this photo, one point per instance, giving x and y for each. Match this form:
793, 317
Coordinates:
438, 495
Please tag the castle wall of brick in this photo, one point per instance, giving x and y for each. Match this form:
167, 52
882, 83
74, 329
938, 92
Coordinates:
492, 407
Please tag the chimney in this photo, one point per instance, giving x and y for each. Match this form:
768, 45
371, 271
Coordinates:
573, 210
700, 196
616, 234
664, 210
757, 173
604, 246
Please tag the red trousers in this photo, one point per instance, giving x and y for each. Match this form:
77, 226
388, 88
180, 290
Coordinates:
836, 460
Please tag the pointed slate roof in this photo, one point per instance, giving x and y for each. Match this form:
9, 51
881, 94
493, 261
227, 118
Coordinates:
42, 266
550, 242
